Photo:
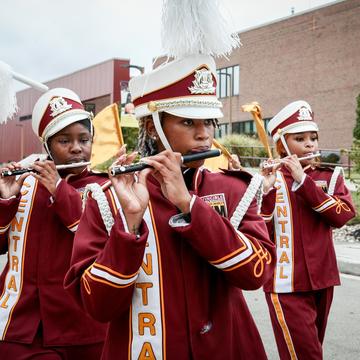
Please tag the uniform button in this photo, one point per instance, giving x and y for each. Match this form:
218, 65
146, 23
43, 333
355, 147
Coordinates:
206, 328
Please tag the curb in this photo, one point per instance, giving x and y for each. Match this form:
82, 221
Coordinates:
348, 267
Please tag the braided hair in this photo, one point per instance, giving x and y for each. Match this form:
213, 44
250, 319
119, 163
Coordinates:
146, 145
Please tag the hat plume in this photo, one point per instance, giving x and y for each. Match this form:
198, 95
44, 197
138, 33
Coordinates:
192, 27
8, 104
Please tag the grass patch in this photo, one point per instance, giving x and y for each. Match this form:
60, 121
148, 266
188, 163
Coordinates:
356, 199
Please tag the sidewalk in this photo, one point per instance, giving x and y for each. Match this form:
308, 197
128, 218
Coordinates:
348, 257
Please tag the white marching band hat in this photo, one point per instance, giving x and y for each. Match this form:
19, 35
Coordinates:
55, 110
184, 87
295, 117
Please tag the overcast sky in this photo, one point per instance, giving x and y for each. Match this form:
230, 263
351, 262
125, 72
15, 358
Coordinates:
46, 39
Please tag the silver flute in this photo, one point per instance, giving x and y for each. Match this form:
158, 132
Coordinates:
267, 164
29, 169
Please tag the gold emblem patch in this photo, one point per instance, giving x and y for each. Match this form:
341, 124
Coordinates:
217, 202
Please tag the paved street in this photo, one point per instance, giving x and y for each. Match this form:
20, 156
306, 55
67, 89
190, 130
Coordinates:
342, 336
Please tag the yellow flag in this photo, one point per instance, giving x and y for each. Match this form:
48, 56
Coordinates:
219, 162
255, 110
107, 135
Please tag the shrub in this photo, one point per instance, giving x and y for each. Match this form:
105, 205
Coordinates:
246, 147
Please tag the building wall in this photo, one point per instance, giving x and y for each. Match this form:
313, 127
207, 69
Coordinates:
314, 56
98, 84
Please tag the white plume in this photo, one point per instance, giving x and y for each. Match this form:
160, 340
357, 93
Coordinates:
8, 105
196, 27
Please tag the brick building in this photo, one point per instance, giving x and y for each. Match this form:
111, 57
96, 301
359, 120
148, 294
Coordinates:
98, 86
313, 56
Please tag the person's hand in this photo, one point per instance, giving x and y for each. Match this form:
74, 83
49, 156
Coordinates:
234, 163
10, 185
47, 174
131, 191
269, 175
292, 163
167, 171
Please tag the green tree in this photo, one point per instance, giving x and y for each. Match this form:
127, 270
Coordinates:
355, 148
356, 131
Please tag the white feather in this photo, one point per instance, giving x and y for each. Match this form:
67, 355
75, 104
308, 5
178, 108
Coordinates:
8, 105
196, 27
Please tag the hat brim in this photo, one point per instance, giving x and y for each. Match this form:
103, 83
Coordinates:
192, 112
298, 128
62, 123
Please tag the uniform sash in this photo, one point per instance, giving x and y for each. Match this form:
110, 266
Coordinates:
284, 272
16, 252
148, 335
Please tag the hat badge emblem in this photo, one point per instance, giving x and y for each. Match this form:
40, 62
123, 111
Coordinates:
304, 114
203, 83
58, 105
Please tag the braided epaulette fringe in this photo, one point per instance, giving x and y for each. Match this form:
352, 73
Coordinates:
98, 195
253, 190
337, 171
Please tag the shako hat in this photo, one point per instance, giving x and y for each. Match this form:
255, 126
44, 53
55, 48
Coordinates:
55, 110
293, 118
183, 87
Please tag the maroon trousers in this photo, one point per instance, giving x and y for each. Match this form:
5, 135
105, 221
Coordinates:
36, 351
299, 322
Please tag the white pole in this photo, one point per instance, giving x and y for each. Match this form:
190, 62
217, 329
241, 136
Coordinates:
35, 84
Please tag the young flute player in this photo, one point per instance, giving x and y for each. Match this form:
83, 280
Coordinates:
303, 202
39, 215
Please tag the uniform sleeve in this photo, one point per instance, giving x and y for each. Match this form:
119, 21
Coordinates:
8, 209
245, 255
336, 210
268, 205
67, 204
104, 267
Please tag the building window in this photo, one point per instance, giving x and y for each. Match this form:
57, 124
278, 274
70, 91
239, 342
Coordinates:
228, 77
221, 131
244, 127
124, 92
89, 107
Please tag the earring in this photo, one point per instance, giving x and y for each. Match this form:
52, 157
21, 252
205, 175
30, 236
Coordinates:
154, 137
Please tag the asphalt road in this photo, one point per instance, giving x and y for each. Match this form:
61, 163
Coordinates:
342, 339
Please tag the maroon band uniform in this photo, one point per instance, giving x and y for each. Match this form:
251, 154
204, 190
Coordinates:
300, 218
175, 291
37, 232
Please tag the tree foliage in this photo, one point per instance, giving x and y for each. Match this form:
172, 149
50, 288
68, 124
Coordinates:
355, 148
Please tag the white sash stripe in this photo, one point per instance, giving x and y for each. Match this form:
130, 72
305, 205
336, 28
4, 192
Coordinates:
153, 307
284, 238
13, 280
238, 258
114, 279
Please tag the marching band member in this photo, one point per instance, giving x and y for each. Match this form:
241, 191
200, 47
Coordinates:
303, 202
39, 215
158, 255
